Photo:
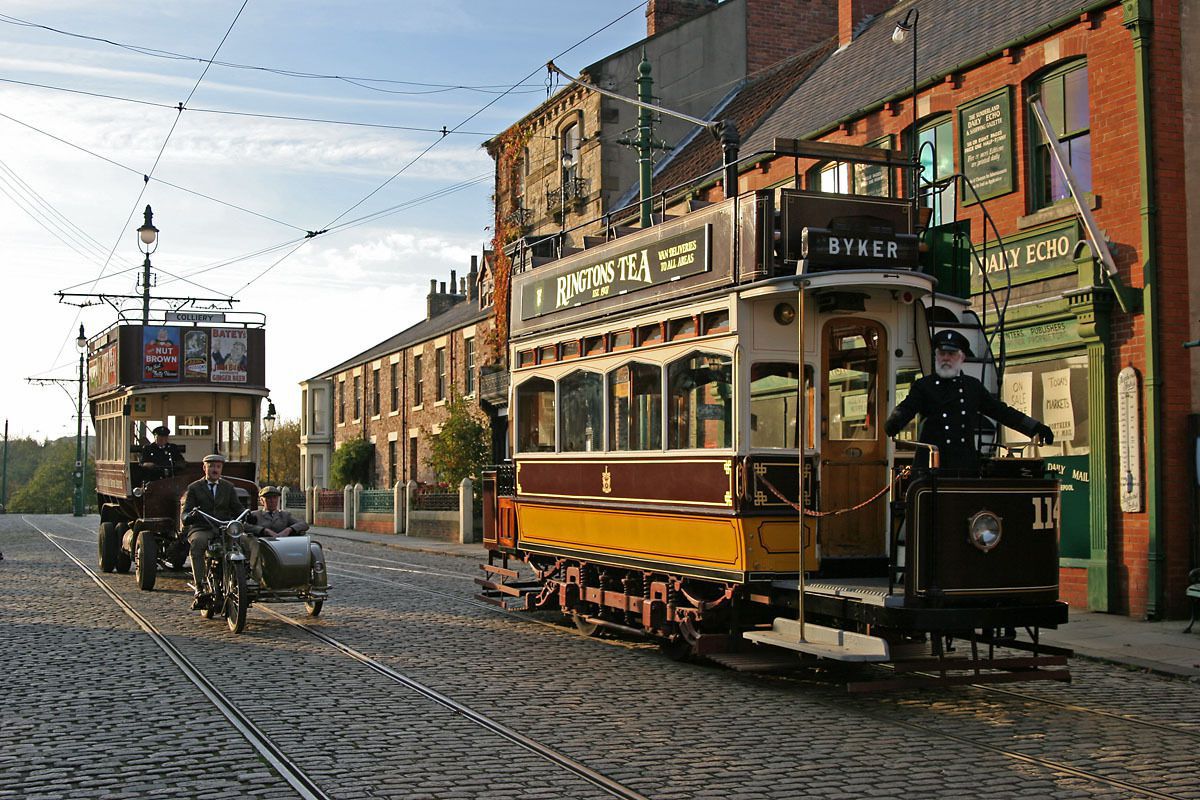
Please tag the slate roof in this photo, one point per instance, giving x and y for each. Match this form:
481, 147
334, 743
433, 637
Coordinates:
701, 152
457, 316
872, 68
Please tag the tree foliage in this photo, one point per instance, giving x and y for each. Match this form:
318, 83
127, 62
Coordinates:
463, 446
285, 455
51, 488
24, 455
351, 463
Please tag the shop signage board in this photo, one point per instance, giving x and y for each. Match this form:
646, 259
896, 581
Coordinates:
1046, 336
986, 146
652, 264
1031, 257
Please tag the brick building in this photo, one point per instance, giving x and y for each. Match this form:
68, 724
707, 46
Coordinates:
1086, 348
394, 394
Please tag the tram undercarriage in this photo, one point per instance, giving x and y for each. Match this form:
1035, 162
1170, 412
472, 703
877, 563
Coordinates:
753, 627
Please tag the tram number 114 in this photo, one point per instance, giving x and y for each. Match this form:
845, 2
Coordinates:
1046, 512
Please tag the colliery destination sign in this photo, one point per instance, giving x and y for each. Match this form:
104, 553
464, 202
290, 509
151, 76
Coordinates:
652, 264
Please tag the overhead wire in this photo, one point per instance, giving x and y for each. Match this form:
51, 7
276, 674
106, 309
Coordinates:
360, 81
433, 144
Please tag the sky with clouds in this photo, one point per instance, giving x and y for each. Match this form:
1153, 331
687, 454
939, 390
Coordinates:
82, 121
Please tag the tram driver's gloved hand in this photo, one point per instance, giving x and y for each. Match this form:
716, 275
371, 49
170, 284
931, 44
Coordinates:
1043, 432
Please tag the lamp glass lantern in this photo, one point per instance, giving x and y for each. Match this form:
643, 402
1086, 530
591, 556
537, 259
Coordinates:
147, 233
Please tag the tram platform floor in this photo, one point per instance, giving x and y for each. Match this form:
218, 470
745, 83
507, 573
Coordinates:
1160, 646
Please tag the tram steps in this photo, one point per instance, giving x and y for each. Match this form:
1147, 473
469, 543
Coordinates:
822, 641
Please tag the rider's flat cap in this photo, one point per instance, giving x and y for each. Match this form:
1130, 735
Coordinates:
161, 430
214, 457
267, 491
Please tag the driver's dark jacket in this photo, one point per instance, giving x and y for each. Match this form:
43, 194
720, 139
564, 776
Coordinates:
224, 506
166, 456
950, 409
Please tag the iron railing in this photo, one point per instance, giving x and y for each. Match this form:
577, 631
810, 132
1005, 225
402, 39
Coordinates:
331, 500
435, 501
377, 501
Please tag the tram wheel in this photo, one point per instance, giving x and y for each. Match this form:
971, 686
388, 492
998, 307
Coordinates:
586, 627
146, 560
108, 546
313, 607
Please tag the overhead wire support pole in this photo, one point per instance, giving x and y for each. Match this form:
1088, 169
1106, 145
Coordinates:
724, 131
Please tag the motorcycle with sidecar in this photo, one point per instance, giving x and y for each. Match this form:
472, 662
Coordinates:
293, 570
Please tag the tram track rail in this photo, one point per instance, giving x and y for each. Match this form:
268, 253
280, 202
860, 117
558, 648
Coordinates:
288, 770
1052, 766
272, 753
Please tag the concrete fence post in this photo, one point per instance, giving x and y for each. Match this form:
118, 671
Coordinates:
310, 504
348, 507
466, 512
410, 491
358, 490
398, 507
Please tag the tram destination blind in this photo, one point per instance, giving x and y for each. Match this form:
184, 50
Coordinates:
653, 263
826, 249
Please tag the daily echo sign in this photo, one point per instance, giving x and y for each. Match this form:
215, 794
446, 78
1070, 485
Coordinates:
652, 264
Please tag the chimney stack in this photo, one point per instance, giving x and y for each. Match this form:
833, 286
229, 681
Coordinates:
851, 14
663, 14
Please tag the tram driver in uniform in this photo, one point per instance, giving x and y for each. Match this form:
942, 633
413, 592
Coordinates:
162, 459
950, 403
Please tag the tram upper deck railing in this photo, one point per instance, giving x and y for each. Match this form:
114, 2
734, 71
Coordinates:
759, 234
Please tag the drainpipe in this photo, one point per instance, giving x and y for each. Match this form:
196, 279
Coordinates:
1138, 19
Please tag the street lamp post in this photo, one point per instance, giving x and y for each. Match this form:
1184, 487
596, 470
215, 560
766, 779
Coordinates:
269, 430
904, 29
148, 243
81, 344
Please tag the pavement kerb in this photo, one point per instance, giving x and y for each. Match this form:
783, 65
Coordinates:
403, 542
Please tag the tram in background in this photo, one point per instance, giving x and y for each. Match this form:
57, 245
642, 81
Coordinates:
204, 380
682, 391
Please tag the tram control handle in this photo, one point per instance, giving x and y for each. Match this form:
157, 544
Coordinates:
934, 459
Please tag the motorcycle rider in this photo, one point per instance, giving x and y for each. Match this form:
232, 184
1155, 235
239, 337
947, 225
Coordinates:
217, 497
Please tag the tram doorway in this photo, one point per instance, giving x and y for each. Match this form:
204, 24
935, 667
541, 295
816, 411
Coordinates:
853, 445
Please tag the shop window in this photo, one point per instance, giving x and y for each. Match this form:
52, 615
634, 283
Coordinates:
1064, 94
935, 141
581, 412
833, 178
774, 404
535, 416
701, 398
635, 407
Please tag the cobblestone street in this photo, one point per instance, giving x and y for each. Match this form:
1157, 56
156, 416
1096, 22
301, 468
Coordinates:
94, 709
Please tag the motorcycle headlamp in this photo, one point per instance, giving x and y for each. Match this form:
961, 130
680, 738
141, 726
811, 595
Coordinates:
984, 530
234, 530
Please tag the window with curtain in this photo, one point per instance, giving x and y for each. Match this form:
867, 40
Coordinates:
1064, 94
535, 416
635, 407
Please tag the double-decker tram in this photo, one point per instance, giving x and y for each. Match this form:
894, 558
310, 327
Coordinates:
699, 452
198, 376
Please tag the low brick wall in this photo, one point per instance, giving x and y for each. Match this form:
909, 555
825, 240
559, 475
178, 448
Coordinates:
329, 519
434, 525
374, 523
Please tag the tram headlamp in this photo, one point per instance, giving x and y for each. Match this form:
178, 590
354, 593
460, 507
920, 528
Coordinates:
138, 491
785, 313
984, 530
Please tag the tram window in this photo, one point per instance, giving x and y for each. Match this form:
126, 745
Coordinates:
535, 416
701, 409
569, 349
773, 404
682, 328
852, 382
635, 407
904, 382
593, 345
716, 322
622, 340
235, 439
650, 334
581, 412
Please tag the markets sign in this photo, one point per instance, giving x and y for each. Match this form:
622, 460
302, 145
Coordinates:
985, 132
653, 264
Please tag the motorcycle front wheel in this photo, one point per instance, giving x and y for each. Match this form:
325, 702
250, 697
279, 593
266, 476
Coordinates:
213, 588
237, 596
